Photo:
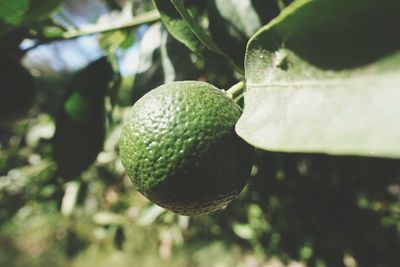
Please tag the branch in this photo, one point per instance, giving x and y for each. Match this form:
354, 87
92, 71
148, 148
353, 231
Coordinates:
144, 18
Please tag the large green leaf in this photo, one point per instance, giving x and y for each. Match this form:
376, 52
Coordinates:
80, 122
16, 13
233, 22
176, 60
196, 29
12, 12
182, 25
177, 26
149, 73
17, 92
325, 77
162, 59
240, 14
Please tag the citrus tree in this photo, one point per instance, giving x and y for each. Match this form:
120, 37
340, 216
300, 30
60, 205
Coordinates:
299, 99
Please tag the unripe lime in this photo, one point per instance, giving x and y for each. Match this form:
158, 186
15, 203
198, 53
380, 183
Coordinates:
179, 147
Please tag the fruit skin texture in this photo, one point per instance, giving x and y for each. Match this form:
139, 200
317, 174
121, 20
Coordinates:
180, 148
17, 91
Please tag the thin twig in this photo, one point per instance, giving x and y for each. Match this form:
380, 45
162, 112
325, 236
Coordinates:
144, 18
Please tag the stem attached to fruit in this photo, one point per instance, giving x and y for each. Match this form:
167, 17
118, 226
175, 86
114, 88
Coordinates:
236, 89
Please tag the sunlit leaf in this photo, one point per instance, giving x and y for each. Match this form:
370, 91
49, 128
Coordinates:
176, 62
317, 83
177, 26
149, 73
233, 22
181, 24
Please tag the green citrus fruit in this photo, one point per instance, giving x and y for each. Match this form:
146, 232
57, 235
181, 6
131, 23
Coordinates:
180, 148
17, 91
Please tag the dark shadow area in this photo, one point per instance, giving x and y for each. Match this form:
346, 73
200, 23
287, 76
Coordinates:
349, 36
316, 209
336, 205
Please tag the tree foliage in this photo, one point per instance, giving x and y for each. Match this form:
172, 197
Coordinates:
322, 86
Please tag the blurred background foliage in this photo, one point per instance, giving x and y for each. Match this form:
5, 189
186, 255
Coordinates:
65, 199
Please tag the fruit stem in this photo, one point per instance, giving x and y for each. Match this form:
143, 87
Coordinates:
236, 89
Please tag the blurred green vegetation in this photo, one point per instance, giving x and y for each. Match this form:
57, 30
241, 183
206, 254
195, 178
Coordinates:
317, 210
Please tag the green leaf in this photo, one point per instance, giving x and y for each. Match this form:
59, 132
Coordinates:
80, 122
196, 29
149, 73
77, 107
244, 231
240, 14
17, 92
177, 26
324, 77
176, 61
13, 12
181, 24
232, 22
17, 13
112, 40
162, 59
202, 36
